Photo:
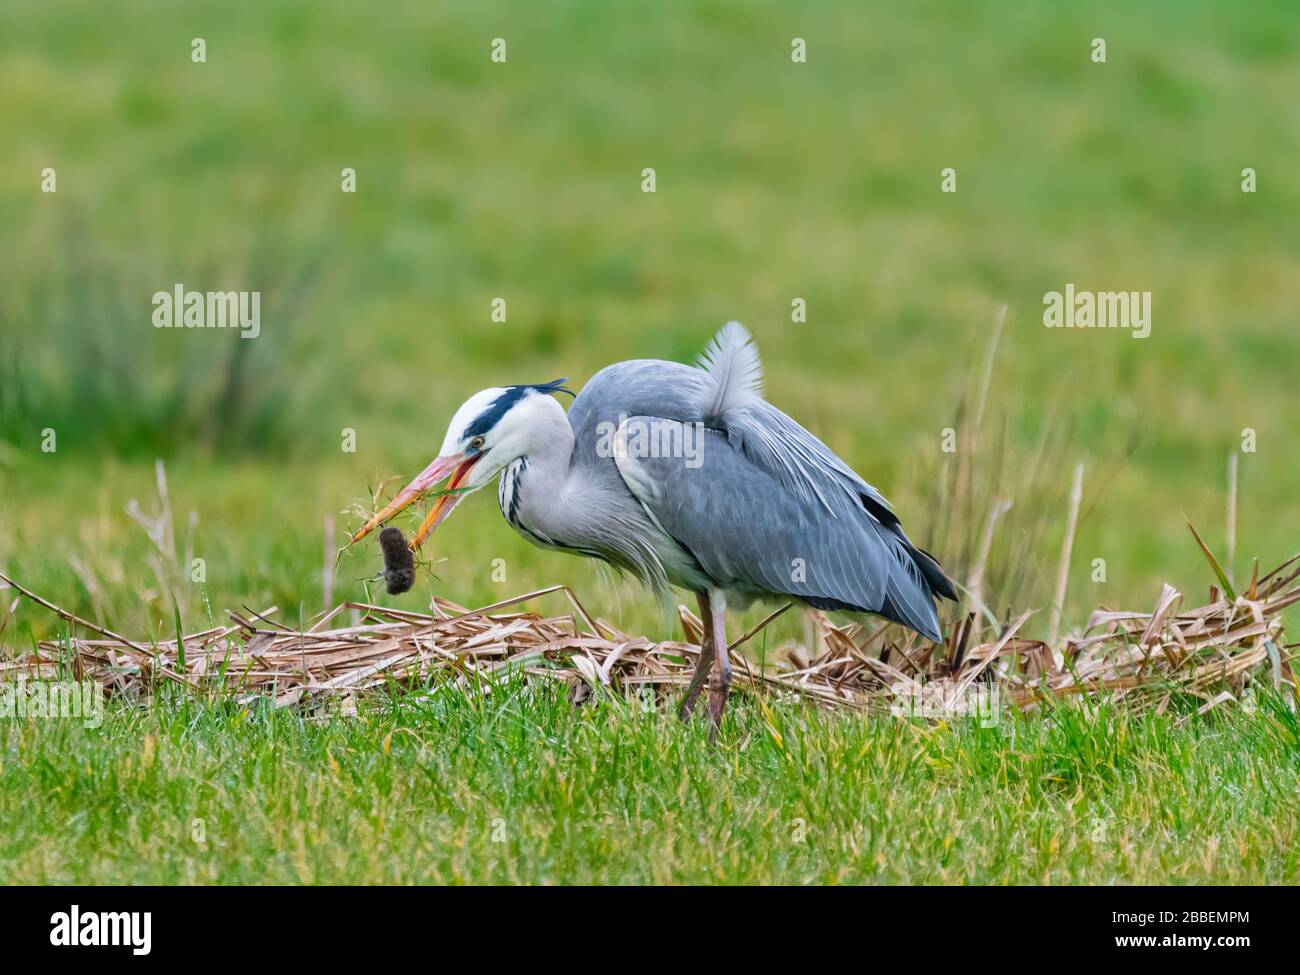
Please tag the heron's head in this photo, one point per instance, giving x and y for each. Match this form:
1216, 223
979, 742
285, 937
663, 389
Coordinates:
491, 430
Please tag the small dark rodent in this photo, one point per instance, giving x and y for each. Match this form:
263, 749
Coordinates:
399, 561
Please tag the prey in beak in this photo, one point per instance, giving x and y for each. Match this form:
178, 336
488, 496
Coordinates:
456, 467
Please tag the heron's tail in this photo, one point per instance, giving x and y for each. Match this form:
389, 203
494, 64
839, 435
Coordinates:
933, 572
912, 588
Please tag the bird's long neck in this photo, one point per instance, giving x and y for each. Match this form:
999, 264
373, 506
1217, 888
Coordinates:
579, 502
534, 484
550, 453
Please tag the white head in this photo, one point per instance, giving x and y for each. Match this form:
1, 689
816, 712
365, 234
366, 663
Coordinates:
490, 431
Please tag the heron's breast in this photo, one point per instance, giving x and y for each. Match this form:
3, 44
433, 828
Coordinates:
511, 494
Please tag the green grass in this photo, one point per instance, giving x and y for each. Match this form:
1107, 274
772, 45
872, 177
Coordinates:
521, 180
527, 789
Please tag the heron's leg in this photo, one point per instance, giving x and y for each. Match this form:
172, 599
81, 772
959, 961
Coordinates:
705, 661
721, 683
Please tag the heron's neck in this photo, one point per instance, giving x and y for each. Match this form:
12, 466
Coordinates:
533, 485
551, 451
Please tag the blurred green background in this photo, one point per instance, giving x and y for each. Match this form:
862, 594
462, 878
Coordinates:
522, 180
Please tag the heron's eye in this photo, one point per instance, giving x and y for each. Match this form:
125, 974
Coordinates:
477, 443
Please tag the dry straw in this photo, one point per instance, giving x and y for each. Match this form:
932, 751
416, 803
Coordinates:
1207, 655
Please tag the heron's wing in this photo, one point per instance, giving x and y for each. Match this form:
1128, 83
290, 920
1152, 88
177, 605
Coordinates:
724, 392
731, 400
747, 529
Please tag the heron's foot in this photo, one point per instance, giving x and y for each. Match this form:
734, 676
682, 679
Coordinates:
697, 684
703, 665
719, 689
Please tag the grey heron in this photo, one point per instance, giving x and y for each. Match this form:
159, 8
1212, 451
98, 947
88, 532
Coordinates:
686, 476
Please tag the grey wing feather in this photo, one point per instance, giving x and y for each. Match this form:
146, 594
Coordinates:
733, 371
748, 532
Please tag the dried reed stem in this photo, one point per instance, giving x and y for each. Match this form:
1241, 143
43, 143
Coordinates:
1232, 515
1067, 545
997, 509
327, 567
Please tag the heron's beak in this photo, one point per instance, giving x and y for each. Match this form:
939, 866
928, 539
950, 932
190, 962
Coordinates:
456, 467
